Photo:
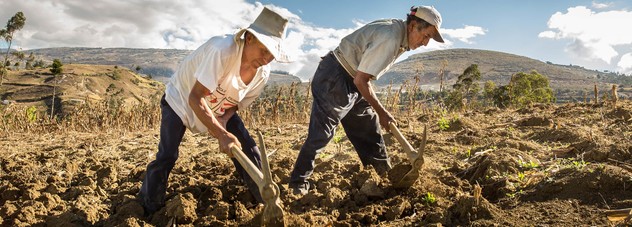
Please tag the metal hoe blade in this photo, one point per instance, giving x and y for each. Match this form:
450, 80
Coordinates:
405, 175
272, 211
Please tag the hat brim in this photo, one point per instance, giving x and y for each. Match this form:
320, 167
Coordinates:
437, 37
274, 44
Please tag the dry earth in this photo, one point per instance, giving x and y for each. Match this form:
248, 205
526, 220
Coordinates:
544, 165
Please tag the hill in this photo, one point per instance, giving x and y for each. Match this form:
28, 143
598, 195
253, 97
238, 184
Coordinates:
78, 84
494, 66
567, 80
157, 63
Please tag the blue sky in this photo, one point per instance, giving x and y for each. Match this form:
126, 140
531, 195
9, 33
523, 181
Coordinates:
509, 26
593, 34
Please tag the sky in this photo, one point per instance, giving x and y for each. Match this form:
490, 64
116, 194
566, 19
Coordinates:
592, 34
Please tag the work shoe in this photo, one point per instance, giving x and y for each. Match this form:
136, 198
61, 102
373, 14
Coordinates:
300, 189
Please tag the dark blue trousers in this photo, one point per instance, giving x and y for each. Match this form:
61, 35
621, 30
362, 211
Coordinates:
337, 100
154, 187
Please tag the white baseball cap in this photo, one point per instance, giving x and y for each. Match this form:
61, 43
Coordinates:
430, 15
269, 28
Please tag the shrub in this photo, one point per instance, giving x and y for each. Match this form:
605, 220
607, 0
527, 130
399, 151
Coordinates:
443, 123
526, 89
56, 67
466, 87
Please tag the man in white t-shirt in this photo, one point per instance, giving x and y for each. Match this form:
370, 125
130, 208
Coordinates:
222, 76
343, 93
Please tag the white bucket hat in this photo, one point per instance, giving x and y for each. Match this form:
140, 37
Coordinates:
430, 15
269, 28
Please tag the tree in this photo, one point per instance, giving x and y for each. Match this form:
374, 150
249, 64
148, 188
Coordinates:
29, 61
14, 24
444, 65
501, 96
55, 68
488, 91
525, 89
465, 87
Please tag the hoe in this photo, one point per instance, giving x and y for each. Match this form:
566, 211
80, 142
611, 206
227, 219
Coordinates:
272, 211
405, 175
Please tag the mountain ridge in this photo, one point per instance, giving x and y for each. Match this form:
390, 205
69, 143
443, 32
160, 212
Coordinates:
493, 65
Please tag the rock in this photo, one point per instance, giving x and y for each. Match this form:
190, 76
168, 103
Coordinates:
333, 198
395, 211
182, 207
221, 211
106, 176
242, 214
130, 209
372, 188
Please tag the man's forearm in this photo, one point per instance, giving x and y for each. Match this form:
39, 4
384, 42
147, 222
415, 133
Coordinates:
205, 115
366, 90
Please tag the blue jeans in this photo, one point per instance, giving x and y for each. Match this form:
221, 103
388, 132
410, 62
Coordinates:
153, 190
337, 100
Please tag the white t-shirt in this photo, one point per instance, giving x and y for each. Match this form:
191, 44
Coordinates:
215, 65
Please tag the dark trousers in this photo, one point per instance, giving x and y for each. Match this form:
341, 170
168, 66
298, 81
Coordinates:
154, 187
337, 100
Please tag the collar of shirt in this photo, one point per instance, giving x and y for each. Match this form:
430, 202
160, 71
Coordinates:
404, 44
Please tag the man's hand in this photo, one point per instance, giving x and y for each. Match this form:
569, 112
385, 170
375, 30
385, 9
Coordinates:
385, 118
226, 142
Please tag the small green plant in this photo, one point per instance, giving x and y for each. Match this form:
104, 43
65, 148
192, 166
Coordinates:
429, 198
521, 176
528, 165
513, 195
31, 114
443, 123
338, 136
579, 164
468, 153
324, 155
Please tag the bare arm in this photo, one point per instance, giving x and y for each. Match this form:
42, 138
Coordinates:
361, 81
205, 114
227, 115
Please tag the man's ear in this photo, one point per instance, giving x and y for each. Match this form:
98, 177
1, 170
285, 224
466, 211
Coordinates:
248, 37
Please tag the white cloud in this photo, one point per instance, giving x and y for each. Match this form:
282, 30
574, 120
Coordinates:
547, 34
113, 23
464, 34
183, 25
625, 64
595, 36
160, 24
598, 5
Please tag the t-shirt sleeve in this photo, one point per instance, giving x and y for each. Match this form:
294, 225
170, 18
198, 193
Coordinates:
255, 91
379, 55
211, 67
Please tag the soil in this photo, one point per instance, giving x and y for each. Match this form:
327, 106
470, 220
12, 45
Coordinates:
546, 165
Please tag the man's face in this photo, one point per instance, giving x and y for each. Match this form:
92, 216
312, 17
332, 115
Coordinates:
417, 38
255, 53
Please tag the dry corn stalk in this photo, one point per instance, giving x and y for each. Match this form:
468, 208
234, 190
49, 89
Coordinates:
619, 215
596, 94
614, 96
477, 193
